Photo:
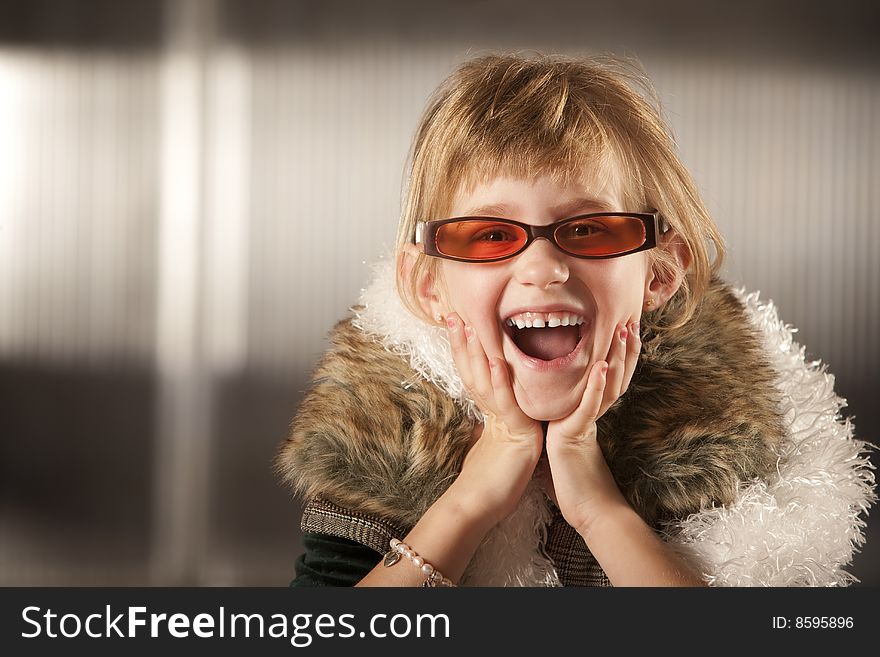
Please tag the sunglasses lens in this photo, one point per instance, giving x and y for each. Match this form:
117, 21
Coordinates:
479, 239
601, 236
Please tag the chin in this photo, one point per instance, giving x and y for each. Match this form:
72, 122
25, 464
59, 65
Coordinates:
546, 407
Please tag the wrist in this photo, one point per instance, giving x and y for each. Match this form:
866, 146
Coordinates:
603, 516
445, 537
449, 533
469, 510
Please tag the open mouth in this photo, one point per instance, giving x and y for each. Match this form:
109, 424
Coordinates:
546, 336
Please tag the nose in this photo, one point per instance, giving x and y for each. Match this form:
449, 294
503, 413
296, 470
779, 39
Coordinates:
542, 265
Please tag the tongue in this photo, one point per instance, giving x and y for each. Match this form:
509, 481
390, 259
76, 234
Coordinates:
547, 343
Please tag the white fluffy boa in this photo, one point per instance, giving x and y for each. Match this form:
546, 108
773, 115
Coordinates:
800, 528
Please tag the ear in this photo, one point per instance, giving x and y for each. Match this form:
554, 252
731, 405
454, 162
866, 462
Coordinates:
427, 292
661, 283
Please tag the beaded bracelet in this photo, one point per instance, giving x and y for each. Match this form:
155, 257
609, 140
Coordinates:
399, 549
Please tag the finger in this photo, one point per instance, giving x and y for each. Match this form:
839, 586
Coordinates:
591, 402
479, 364
505, 399
633, 349
458, 342
616, 366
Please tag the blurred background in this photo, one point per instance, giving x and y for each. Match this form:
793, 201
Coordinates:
191, 193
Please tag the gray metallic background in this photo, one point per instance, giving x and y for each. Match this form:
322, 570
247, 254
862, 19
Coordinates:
191, 193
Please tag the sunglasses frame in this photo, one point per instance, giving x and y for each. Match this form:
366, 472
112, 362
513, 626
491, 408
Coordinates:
655, 226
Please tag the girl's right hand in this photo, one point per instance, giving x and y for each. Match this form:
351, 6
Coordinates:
501, 462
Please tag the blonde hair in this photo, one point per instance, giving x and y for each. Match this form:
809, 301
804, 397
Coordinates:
566, 118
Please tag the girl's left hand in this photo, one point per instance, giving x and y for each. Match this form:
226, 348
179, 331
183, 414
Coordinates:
581, 483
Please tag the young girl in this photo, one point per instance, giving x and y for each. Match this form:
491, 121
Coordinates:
552, 386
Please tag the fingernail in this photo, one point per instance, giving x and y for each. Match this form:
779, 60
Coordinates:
623, 334
635, 329
450, 322
469, 331
604, 369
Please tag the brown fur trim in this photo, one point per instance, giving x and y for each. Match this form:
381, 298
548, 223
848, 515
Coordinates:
699, 419
371, 435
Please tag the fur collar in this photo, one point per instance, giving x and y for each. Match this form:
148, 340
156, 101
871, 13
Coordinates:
726, 441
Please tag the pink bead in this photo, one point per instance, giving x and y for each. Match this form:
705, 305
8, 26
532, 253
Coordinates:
418, 561
428, 569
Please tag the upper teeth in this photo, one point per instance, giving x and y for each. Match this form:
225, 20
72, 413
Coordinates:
542, 320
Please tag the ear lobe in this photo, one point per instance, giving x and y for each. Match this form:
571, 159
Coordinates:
664, 284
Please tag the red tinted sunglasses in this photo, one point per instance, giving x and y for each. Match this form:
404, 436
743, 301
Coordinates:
489, 239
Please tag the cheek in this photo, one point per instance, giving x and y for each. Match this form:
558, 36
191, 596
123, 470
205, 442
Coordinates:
617, 285
469, 290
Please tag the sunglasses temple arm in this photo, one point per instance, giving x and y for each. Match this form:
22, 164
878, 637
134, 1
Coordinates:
662, 224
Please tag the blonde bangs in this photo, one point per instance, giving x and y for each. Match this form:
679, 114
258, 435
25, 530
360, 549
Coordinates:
525, 127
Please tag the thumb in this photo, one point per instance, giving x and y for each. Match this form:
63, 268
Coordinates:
583, 418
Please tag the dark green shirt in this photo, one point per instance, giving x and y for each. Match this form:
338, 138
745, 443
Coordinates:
332, 561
